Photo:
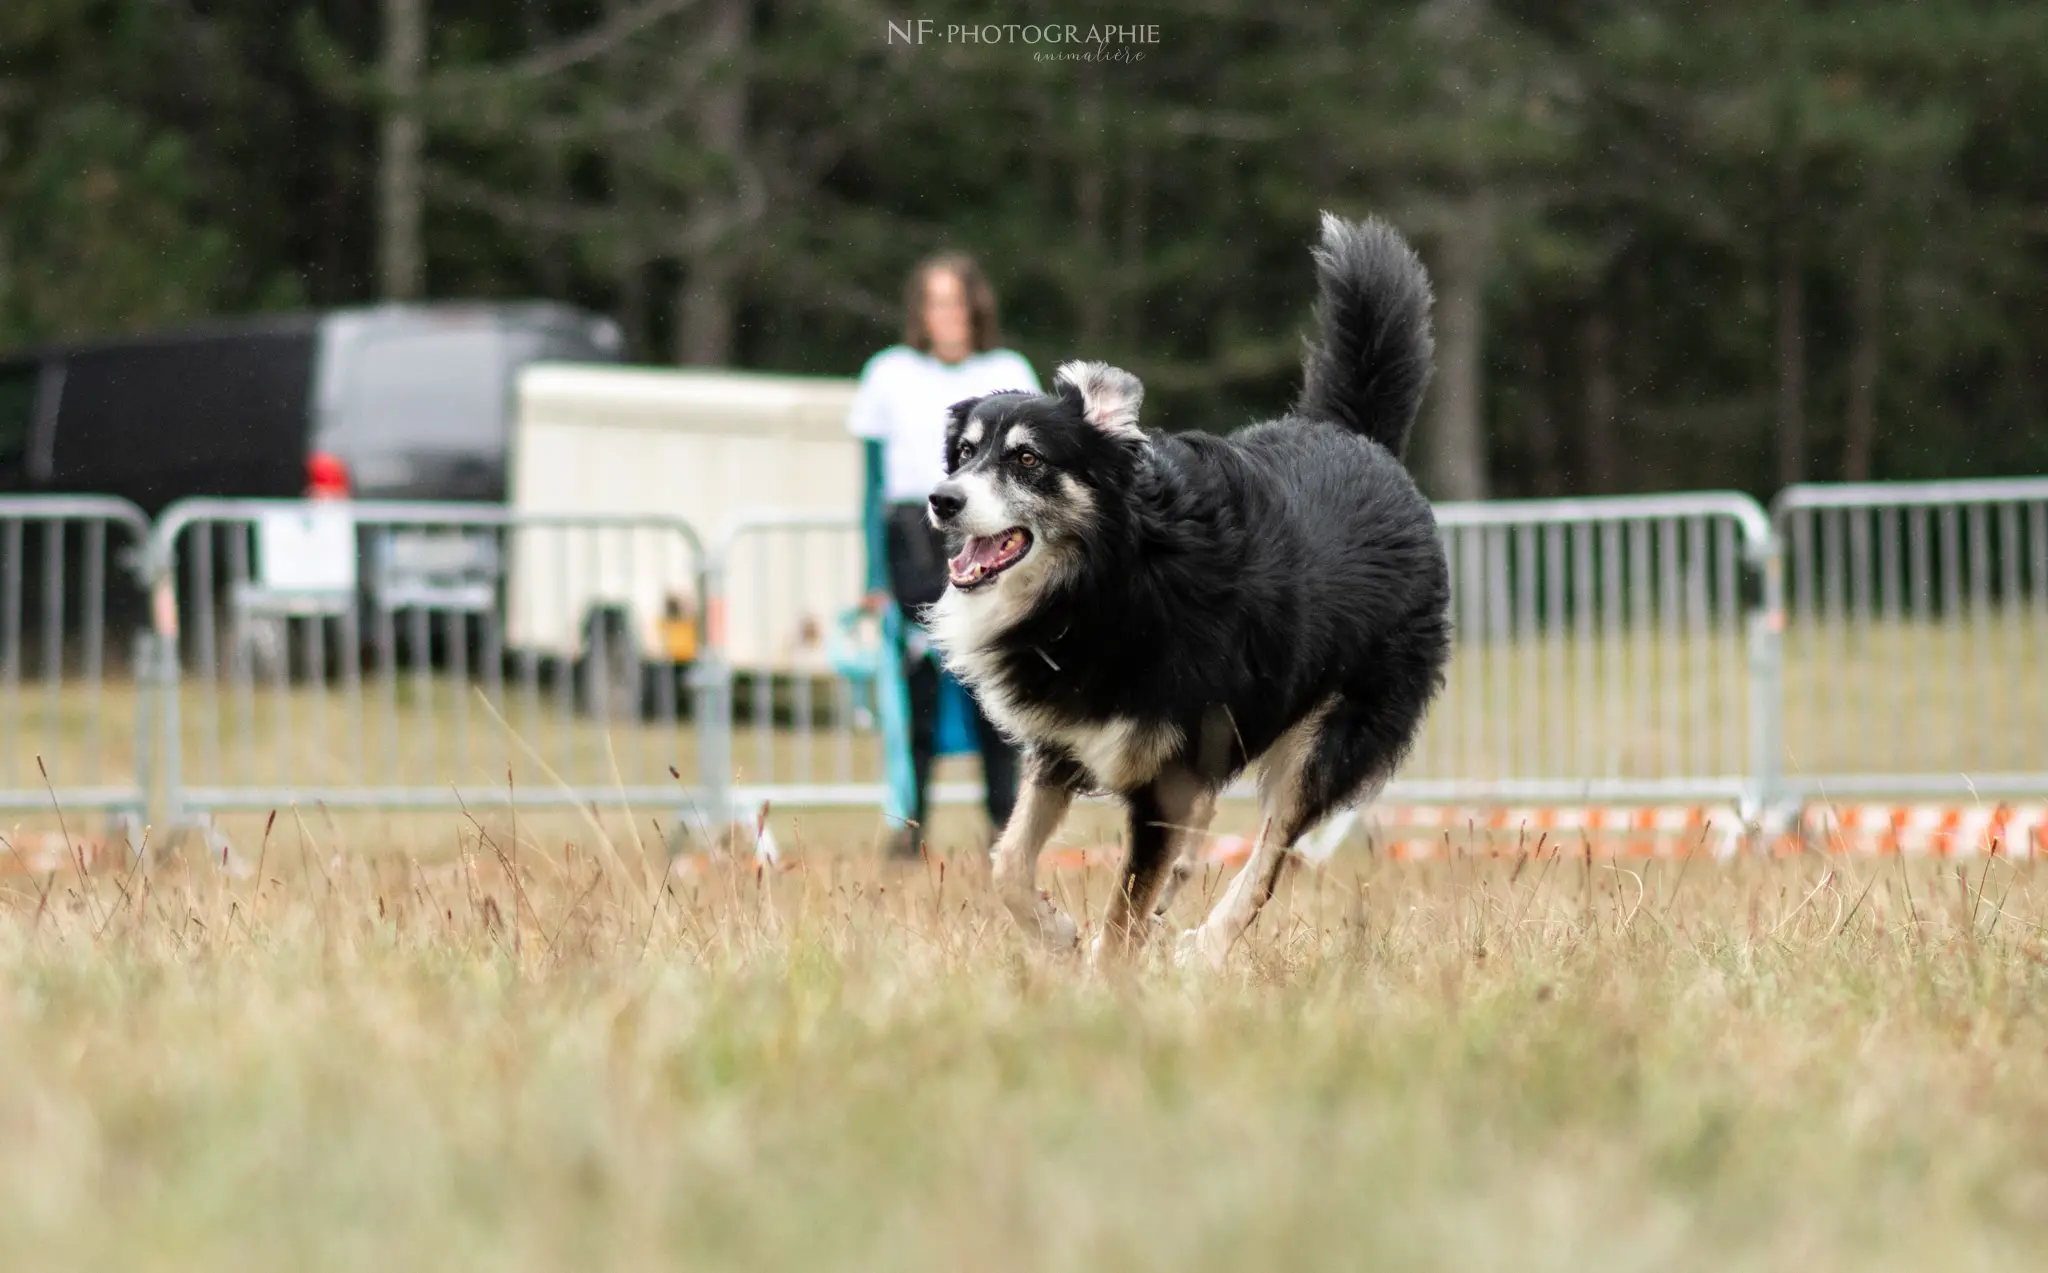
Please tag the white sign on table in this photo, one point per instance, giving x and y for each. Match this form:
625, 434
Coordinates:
306, 551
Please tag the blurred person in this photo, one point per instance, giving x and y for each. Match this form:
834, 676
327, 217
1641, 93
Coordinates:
679, 636
950, 352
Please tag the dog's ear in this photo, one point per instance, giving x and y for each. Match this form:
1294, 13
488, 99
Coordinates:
1109, 397
956, 418
956, 424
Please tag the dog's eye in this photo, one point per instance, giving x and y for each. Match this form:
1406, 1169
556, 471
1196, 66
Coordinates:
963, 453
1027, 459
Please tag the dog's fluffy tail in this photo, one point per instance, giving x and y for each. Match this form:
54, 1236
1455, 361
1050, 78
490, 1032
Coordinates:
1371, 356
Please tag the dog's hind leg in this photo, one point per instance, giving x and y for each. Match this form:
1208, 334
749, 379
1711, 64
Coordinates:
1187, 836
1168, 815
1042, 800
1291, 799
1341, 753
1218, 757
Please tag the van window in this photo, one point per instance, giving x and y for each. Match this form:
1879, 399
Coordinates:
18, 382
427, 390
186, 416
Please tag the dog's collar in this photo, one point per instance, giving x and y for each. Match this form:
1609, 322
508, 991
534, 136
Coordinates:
1039, 650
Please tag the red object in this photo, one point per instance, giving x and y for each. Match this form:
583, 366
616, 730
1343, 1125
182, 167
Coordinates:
326, 476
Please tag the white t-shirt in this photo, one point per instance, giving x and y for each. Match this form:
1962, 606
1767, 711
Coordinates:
902, 403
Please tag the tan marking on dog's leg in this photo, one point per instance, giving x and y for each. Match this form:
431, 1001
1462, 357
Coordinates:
1233, 914
1219, 740
1188, 840
1040, 806
1280, 823
1160, 820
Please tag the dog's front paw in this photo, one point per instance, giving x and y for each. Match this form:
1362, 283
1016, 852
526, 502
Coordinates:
1057, 930
1200, 948
1036, 914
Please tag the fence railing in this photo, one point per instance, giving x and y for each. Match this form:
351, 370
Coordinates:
398, 655
1882, 640
803, 728
1916, 638
1608, 650
74, 725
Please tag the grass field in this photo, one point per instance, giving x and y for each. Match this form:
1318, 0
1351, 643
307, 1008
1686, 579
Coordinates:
491, 1054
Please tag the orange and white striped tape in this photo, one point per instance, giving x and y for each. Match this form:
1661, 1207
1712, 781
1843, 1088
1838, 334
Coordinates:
1631, 831
1928, 829
1936, 830
2012, 830
1619, 830
51, 851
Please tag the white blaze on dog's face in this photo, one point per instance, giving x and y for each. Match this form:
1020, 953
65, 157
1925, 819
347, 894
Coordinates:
1026, 474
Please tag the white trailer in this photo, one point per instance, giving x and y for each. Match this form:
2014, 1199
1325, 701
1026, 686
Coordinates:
710, 447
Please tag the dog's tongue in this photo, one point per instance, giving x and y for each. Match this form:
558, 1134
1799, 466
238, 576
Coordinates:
984, 555
980, 550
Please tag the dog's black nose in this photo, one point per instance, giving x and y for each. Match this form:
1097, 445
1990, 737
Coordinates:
947, 501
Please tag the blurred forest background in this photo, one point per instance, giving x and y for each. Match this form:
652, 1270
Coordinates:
1676, 245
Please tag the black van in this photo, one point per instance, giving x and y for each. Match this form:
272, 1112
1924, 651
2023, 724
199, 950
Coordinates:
384, 402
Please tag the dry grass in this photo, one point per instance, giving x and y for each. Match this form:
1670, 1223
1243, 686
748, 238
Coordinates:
508, 1058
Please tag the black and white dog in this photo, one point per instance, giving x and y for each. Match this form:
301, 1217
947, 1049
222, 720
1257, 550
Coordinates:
1150, 613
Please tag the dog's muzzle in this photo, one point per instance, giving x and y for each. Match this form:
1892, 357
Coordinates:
946, 503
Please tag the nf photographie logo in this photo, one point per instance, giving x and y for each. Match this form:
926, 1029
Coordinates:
1047, 41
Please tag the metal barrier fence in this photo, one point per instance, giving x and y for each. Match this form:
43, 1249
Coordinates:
414, 656
1618, 649
73, 738
1858, 641
1916, 638
804, 728
1608, 649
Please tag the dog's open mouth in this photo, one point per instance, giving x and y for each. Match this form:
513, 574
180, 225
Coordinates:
987, 556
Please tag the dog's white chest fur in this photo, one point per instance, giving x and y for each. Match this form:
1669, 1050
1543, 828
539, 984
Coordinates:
1119, 753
